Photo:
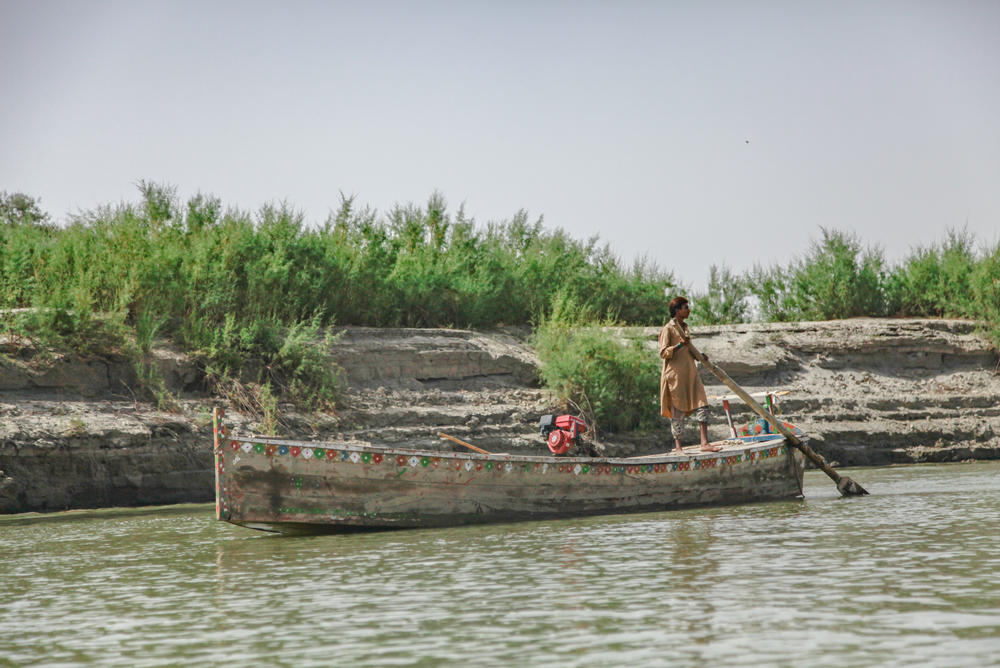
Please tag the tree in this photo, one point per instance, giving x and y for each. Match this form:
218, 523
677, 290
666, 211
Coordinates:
21, 209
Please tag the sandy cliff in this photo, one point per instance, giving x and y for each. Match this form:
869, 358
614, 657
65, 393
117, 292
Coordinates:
868, 392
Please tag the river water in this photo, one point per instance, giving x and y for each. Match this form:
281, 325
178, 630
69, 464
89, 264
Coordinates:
909, 575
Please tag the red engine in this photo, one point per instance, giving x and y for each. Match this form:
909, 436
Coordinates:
561, 432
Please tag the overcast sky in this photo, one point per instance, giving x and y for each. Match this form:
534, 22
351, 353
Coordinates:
696, 133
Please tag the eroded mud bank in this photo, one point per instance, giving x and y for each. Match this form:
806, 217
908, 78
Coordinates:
869, 392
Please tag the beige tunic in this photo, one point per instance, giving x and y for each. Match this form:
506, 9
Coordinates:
681, 389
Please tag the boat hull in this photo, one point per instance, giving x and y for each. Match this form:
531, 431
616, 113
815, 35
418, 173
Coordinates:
280, 485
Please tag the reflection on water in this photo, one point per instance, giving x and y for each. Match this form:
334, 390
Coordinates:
905, 576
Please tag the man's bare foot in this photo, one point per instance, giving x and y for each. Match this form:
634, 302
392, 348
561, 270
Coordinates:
708, 447
678, 451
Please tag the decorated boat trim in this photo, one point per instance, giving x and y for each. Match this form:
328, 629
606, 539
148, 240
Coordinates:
473, 463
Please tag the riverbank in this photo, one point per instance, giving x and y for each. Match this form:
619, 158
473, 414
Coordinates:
868, 391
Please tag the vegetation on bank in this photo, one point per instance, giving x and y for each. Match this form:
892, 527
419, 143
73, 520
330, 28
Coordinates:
250, 293
840, 278
614, 381
607, 376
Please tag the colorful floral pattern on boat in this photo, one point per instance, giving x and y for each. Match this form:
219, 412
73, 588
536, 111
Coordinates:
333, 455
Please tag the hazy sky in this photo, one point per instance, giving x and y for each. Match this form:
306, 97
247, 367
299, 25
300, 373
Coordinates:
696, 133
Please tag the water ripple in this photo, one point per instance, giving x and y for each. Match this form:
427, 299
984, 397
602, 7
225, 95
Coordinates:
904, 576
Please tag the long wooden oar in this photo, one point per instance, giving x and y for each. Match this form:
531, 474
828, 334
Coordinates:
845, 485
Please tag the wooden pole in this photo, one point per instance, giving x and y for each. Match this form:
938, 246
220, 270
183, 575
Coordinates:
769, 404
845, 485
217, 415
779, 393
729, 417
460, 442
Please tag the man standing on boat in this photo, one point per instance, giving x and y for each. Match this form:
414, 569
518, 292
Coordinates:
681, 390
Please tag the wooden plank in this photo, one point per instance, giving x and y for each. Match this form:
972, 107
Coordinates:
730, 397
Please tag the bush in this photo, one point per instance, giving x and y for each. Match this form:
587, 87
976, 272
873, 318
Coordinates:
251, 293
838, 279
936, 280
768, 288
242, 290
726, 301
21, 209
985, 289
613, 382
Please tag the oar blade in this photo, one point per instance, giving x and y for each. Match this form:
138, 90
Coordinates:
848, 487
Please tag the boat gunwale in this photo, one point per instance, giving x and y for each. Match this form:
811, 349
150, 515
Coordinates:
761, 443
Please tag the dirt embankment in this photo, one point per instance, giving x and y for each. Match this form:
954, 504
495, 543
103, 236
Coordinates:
869, 392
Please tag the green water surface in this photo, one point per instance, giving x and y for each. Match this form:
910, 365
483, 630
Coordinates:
907, 576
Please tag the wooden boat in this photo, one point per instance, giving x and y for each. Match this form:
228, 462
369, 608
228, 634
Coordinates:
291, 486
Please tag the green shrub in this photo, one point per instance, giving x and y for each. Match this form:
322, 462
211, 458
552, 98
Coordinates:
613, 381
20, 209
250, 293
726, 301
66, 327
244, 291
768, 287
985, 290
936, 280
837, 279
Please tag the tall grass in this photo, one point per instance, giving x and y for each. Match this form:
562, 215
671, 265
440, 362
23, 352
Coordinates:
248, 291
